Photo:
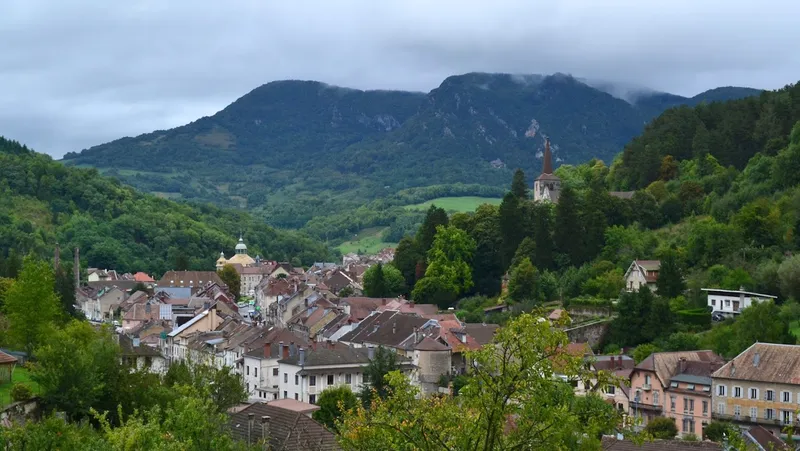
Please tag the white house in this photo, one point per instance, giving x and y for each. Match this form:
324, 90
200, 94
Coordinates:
642, 273
307, 373
732, 302
140, 356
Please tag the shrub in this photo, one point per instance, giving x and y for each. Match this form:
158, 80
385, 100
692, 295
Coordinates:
21, 392
662, 427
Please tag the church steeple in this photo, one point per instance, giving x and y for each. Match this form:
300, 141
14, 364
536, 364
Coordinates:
548, 158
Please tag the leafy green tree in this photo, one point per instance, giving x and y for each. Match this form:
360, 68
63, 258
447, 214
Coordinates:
737, 278
375, 282
515, 378
333, 403
232, 279
716, 431
435, 290
789, 277
221, 385
376, 385
646, 211
487, 266
406, 256
662, 428
519, 187
450, 258
568, 228
682, 341
760, 322
53, 433
5, 284
594, 222
526, 249
523, 285
643, 351
31, 305
670, 281
77, 369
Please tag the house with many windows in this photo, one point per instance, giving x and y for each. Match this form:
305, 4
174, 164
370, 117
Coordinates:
732, 302
676, 385
759, 386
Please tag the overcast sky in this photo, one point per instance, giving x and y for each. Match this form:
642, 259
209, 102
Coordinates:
75, 73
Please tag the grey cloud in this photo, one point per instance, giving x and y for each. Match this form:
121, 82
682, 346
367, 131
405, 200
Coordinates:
76, 73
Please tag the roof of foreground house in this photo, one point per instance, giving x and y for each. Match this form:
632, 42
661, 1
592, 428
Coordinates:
764, 362
666, 364
288, 430
613, 444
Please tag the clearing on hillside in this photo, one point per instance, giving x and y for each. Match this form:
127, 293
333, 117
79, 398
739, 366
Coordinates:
368, 241
456, 204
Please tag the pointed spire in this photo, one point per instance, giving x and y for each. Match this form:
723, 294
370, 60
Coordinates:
548, 158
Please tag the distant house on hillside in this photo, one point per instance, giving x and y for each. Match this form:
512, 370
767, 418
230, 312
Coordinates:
732, 302
641, 273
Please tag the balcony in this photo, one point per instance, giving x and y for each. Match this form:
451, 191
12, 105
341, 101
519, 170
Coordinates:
646, 387
748, 419
643, 406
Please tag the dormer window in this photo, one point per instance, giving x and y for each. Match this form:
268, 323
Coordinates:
673, 384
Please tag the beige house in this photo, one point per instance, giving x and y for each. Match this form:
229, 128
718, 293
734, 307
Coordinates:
176, 343
642, 273
759, 386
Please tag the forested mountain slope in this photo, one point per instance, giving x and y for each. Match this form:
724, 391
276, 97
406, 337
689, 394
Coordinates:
294, 150
42, 202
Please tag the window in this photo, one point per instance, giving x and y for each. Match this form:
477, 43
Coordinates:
714, 302
688, 426
770, 396
737, 392
275, 372
705, 408
296, 379
296, 398
737, 411
721, 390
753, 393
786, 396
655, 398
691, 387
348, 379
330, 379
248, 370
753, 413
255, 371
312, 381
727, 303
248, 387
769, 414
691, 405
647, 379
685, 405
786, 416
672, 403
285, 395
721, 408
285, 378
673, 384
312, 399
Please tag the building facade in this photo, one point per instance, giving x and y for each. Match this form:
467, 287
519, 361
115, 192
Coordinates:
732, 302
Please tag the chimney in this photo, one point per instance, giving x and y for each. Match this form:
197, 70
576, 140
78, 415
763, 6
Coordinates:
682, 365
302, 356
76, 268
57, 258
733, 369
284, 351
265, 428
612, 363
383, 301
267, 350
371, 352
250, 427
416, 334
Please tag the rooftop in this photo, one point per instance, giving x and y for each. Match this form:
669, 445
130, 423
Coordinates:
293, 405
739, 292
764, 362
288, 430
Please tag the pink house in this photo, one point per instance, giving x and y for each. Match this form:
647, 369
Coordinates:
676, 385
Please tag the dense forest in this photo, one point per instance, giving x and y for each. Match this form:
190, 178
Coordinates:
42, 203
710, 225
302, 154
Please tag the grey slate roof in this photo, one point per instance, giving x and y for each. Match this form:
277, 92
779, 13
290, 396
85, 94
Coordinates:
691, 379
388, 328
288, 430
338, 354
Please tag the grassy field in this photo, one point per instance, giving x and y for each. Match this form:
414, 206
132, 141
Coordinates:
367, 241
456, 204
20, 376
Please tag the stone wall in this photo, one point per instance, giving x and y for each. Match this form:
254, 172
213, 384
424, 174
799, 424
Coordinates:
591, 333
19, 411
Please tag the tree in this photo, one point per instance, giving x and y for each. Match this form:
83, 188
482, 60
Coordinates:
221, 385
65, 290
716, 431
31, 305
375, 383
643, 351
662, 428
450, 258
670, 281
542, 219
523, 285
511, 231
514, 379
568, 229
333, 403
789, 277
434, 218
232, 279
435, 290
406, 257
139, 287
526, 249
5, 284
519, 186
381, 281
77, 369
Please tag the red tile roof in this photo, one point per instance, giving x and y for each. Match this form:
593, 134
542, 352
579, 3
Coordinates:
5, 358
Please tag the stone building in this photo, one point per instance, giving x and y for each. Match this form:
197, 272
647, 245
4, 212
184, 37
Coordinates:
547, 187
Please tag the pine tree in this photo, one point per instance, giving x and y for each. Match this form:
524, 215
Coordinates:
670, 283
427, 231
568, 230
542, 219
523, 285
65, 289
511, 230
375, 282
519, 187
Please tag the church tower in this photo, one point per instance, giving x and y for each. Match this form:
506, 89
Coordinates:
547, 186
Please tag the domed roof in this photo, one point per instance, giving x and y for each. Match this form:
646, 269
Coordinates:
221, 258
241, 246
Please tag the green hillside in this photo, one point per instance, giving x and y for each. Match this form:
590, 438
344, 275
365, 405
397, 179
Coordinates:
456, 204
42, 203
297, 152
